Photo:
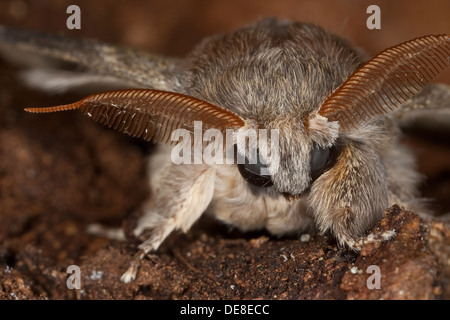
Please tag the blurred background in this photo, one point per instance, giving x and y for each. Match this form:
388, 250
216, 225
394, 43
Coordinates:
60, 172
173, 27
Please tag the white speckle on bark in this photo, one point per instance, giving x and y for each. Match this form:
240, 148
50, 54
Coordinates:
96, 275
305, 237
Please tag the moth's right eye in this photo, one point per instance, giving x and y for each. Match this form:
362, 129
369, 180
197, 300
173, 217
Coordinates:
322, 159
252, 173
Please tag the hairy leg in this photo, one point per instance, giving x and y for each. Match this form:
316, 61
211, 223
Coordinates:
180, 194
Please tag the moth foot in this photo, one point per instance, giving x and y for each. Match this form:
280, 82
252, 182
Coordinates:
131, 273
144, 249
359, 243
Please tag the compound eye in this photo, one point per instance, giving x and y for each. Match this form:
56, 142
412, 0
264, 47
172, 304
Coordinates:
251, 172
322, 159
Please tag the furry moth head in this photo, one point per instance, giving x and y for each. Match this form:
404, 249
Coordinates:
308, 84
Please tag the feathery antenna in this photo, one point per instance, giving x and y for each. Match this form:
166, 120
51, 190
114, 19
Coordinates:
387, 81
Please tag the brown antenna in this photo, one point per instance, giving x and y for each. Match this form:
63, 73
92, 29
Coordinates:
387, 81
150, 114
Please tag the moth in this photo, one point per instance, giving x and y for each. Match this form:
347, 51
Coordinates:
338, 162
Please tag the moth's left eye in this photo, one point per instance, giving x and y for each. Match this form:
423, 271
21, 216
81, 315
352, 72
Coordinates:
322, 159
252, 173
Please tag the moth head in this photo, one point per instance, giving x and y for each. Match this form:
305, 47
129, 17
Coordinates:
305, 146
310, 147
286, 155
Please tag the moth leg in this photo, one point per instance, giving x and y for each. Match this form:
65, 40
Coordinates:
351, 197
181, 194
355, 241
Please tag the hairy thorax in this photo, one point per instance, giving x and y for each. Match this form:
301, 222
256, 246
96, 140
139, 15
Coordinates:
269, 68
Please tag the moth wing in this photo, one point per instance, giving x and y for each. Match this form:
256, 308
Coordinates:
429, 108
120, 66
58, 81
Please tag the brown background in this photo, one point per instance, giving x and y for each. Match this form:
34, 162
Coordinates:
60, 172
173, 27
